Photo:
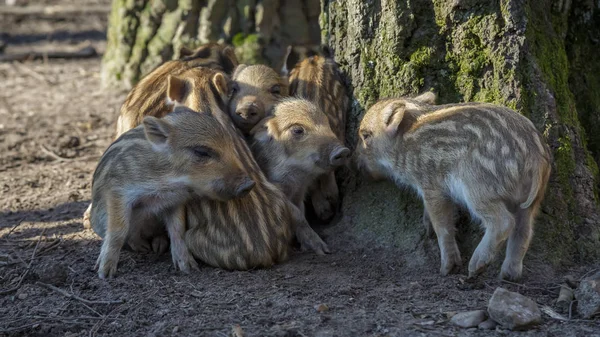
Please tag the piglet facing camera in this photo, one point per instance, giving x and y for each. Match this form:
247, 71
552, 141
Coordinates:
485, 157
146, 176
255, 91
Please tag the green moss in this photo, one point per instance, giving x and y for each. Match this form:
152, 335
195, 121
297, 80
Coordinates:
248, 48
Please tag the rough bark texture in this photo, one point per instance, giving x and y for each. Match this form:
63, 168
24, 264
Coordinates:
144, 33
535, 57
539, 57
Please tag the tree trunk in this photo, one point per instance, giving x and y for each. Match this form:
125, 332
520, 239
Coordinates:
538, 57
144, 33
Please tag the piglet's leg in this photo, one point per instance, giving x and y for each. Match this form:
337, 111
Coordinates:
116, 234
442, 214
86, 217
325, 196
175, 222
498, 223
518, 243
307, 237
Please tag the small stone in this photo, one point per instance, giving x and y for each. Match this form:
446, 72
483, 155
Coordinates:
321, 307
488, 324
468, 319
176, 329
565, 297
55, 274
237, 331
571, 281
588, 296
513, 310
22, 296
450, 314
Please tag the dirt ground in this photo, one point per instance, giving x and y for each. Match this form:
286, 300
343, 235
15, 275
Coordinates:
55, 122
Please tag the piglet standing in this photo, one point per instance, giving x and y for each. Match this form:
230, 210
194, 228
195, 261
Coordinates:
485, 157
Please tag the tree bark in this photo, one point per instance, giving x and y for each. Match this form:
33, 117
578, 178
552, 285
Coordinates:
144, 33
538, 57
533, 56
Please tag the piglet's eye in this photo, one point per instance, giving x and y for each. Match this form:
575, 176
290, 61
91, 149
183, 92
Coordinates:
365, 135
202, 152
234, 89
297, 130
276, 90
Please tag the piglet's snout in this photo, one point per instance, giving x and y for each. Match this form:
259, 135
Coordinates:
339, 156
244, 187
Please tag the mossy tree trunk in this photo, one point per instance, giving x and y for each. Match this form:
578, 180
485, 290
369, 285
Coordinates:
536, 57
144, 33
539, 57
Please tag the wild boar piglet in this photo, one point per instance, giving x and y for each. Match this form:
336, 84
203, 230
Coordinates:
255, 90
488, 158
197, 88
200, 89
146, 176
295, 146
317, 79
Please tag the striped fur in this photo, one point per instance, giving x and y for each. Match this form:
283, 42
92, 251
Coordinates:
295, 146
145, 177
318, 80
148, 96
240, 234
485, 157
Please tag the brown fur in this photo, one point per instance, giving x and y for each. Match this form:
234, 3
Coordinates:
200, 89
147, 98
253, 231
486, 157
145, 177
317, 79
256, 89
295, 146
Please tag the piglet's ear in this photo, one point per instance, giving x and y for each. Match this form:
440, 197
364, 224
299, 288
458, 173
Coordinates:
392, 116
238, 70
265, 130
427, 98
285, 68
231, 60
221, 84
185, 51
156, 130
176, 89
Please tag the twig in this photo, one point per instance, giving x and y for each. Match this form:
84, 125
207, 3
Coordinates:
63, 320
571, 310
53, 155
73, 296
33, 73
97, 326
8, 291
528, 287
14, 227
86, 52
51, 246
553, 314
588, 273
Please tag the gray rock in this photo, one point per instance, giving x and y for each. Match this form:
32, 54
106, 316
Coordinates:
488, 324
588, 296
55, 274
513, 310
468, 319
